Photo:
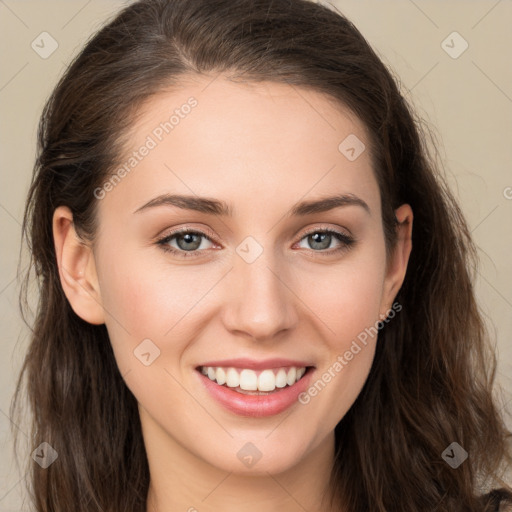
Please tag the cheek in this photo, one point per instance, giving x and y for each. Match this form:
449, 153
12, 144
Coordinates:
146, 300
346, 297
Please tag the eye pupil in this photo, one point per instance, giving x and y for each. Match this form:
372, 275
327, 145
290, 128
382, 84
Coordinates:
188, 238
320, 238
188, 242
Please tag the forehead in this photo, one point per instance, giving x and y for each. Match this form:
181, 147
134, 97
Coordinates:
246, 142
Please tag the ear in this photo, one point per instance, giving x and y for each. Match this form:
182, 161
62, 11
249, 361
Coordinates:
397, 265
77, 268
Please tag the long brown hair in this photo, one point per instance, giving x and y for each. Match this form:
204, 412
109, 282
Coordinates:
433, 372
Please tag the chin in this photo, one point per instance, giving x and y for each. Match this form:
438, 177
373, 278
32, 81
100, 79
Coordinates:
256, 457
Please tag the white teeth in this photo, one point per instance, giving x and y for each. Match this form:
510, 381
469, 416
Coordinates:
249, 380
232, 378
281, 378
221, 376
292, 375
267, 381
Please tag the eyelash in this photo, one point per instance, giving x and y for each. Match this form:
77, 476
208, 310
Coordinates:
346, 241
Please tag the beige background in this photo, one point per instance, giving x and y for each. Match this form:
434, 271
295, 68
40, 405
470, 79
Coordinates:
467, 99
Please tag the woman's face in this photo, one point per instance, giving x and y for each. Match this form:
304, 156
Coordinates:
267, 288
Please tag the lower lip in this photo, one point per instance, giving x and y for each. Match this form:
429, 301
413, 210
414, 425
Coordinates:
257, 405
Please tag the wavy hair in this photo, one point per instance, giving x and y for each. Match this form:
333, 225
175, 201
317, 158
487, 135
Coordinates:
432, 377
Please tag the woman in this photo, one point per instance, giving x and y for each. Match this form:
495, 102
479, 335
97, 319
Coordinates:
255, 287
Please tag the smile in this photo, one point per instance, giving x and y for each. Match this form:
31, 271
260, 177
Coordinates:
245, 380
255, 392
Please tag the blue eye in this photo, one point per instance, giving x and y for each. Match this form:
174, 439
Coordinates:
320, 239
189, 243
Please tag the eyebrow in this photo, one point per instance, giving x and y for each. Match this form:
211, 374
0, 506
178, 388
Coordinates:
216, 207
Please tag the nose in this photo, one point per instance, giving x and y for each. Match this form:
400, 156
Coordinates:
261, 302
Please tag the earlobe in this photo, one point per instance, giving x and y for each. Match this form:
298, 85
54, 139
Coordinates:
77, 268
397, 265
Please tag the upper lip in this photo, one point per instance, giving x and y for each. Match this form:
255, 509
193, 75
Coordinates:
253, 364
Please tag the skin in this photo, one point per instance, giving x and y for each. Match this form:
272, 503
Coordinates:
261, 147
